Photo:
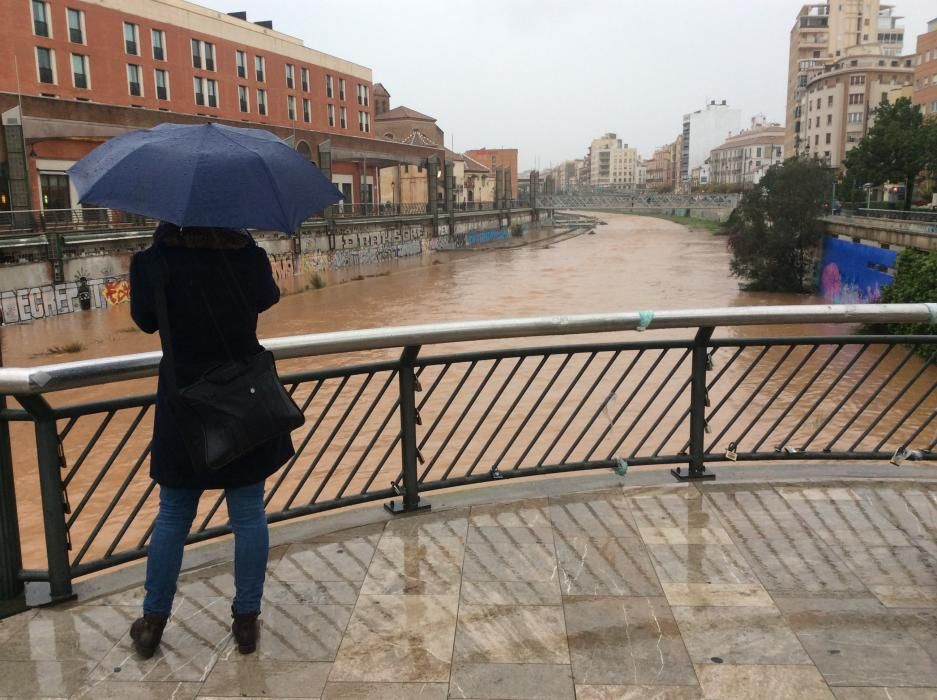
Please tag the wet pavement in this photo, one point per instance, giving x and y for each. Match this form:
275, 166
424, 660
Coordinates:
810, 589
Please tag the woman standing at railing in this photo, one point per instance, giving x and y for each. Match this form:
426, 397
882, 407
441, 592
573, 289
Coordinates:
215, 282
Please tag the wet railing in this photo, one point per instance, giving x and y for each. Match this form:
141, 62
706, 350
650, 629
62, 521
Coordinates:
392, 430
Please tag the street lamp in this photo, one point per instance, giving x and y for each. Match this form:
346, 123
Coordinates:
868, 194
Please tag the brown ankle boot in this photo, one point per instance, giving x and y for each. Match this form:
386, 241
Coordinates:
246, 630
146, 633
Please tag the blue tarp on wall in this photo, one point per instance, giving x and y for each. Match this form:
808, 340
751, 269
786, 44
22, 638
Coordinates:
854, 273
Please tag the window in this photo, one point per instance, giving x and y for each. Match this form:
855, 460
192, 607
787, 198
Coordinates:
199, 84
305, 77
854, 118
884, 97
262, 102
343, 117
289, 76
816, 140
818, 121
131, 39
80, 71
45, 62
76, 26
933, 107
159, 44
133, 80
331, 113
857, 99
829, 101
196, 53
291, 107
41, 24
758, 153
364, 122
240, 59
307, 112
829, 119
212, 93
857, 80
209, 51
162, 84
203, 53
363, 95
328, 86
244, 98
828, 138
341, 88
819, 102
259, 66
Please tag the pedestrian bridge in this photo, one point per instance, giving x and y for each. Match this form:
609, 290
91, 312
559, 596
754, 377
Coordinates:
800, 549
709, 205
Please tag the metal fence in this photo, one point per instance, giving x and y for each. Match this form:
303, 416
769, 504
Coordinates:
393, 430
926, 217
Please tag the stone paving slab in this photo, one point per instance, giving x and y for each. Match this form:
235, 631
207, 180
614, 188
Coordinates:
723, 590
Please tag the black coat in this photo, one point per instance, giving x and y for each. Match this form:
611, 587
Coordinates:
211, 323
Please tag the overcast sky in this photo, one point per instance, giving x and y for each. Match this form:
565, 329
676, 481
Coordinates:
548, 76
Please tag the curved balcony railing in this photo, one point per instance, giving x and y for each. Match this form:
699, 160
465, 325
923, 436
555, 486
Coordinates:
392, 430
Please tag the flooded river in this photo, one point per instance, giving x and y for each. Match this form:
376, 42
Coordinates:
632, 263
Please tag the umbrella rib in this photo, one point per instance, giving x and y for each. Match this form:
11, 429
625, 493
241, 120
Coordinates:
276, 192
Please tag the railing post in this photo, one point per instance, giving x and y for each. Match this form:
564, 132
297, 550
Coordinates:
410, 501
11, 556
697, 469
52, 493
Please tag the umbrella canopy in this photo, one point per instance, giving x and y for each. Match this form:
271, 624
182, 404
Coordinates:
204, 175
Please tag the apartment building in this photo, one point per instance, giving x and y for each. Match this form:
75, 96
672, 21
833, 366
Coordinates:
925, 70
703, 130
744, 158
613, 164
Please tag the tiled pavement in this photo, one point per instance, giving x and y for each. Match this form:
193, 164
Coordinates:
816, 590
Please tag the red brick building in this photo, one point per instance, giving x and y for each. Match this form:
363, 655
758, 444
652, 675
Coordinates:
86, 71
925, 70
498, 158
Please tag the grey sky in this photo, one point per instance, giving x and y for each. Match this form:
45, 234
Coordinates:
548, 76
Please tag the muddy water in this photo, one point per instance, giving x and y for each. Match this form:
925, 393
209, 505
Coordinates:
632, 263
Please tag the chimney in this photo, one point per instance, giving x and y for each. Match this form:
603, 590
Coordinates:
266, 24
238, 15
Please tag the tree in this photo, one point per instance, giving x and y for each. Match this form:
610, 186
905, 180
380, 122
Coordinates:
915, 282
898, 147
775, 232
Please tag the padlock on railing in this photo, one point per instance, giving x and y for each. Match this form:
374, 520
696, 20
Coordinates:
731, 453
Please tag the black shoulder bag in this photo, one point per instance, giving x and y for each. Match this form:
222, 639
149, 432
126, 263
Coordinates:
234, 407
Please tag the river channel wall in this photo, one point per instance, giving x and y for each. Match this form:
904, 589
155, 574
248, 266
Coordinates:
28, 293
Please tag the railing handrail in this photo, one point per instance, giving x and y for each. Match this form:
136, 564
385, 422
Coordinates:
72, 375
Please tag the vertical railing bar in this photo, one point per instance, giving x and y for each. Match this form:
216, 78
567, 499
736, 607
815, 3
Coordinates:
579, 407
533, 410
133, 514
710, 385
822, 398
556, 407
748, 401
774, 397
660, 418
351, 439
644, 408
377, 434
484, 417
800, 395
908, 414
76, 511
445, 408
110, 506
849, 395
458, 423
88, 447
288, 467
624, 406
891, 404
325, 445
509, 412
598, 411
868, 402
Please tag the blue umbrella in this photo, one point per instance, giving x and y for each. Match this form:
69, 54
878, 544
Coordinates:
204, 175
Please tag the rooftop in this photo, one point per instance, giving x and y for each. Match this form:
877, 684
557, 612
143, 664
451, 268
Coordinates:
403, 113
766, 583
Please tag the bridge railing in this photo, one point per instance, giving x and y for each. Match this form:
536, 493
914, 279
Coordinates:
397, 427
897, 215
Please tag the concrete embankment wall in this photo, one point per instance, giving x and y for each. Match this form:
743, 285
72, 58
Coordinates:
28, 291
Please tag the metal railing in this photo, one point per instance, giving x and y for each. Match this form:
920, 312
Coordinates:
927, 217
395, 429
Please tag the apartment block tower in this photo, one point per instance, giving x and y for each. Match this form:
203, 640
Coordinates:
824, 33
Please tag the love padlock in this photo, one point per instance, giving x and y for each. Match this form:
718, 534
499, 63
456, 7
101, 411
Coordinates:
731, 453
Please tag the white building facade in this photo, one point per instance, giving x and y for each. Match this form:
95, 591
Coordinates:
613, 164
703, 130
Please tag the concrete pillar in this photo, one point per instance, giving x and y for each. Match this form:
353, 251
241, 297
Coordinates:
450, 194
325, 165
432, 165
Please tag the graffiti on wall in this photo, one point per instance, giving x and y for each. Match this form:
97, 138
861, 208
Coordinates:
854, 273
32, 303
459, 241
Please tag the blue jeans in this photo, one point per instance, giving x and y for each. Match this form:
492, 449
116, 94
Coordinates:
177, 508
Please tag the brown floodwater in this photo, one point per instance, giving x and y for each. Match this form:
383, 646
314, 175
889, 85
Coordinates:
476, 415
